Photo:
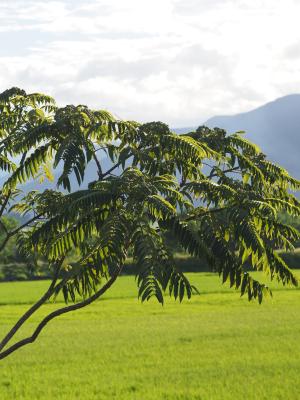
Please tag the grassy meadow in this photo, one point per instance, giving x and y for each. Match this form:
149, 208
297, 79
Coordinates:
214, 346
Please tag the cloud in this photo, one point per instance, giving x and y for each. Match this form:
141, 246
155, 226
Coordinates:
196, 7
292, 52
177, 61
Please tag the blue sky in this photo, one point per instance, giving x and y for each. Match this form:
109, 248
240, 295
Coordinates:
179, 61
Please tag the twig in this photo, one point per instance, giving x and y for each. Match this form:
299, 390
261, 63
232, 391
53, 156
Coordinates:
224, 172
211, 211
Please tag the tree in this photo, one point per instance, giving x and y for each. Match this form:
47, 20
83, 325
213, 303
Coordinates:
216, 193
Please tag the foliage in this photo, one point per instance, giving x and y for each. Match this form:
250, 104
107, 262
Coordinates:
217, 193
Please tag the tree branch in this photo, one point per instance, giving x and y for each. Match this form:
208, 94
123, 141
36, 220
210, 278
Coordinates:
114, 167
4, 227
97, 163
111, 169
12, 233
209, 211
15, 231
59, 312
32, 309
5, 203
234, 169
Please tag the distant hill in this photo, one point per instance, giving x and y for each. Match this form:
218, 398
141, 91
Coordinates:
275, 127
91, 174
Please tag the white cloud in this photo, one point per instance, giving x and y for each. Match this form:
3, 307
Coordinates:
180, 61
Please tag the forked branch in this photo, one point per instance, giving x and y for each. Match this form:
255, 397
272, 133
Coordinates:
32, 309
59, 312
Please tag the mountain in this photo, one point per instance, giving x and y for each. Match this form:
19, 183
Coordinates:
275, 127
91, 174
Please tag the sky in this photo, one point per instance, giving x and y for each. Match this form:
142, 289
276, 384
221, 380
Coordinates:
177, 61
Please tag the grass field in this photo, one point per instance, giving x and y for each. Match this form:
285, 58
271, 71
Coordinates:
215, 346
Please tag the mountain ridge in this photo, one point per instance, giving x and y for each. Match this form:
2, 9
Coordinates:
274, 126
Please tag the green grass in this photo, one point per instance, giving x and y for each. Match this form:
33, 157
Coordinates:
216, 346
